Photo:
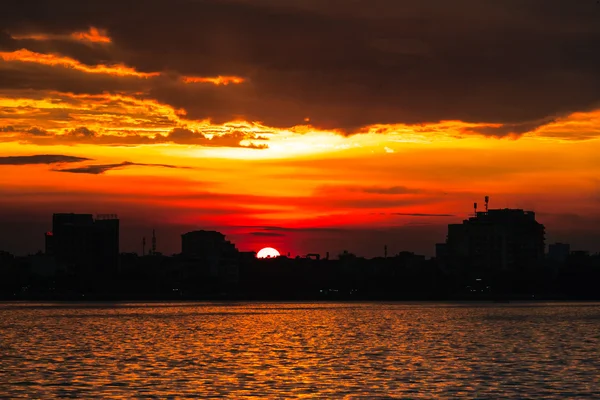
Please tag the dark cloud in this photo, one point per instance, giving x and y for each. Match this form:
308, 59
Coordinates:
391, 190
342, 64
85, 53
68, 80
297, 229
85, 169
83, 134
510, 129
424, 215
33, 131
100, 169
385, 190
231, 139
40, 159
267, 234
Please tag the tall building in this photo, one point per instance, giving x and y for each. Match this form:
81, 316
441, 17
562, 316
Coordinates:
205, 244
502, 239
212, 250
106, 241
80, 241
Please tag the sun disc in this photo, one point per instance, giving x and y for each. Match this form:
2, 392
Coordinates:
267, 252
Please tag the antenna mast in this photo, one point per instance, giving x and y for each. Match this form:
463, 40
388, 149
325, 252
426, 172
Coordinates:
153, 242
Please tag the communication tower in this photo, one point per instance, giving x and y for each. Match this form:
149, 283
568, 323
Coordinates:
153, 242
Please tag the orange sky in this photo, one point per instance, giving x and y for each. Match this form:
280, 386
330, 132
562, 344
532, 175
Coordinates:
304, 187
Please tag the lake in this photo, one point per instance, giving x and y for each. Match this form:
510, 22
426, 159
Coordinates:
300, 350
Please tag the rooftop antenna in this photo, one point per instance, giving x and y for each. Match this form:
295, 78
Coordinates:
475, 208
487, 202
144, 246
385, 251
153, 242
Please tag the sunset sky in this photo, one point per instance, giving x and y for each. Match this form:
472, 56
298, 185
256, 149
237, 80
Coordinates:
305, 125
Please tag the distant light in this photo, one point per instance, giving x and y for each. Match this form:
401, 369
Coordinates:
267, 252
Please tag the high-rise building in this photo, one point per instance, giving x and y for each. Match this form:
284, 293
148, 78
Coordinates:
106, 242
205, 244
502, 239
212, 250
80, 241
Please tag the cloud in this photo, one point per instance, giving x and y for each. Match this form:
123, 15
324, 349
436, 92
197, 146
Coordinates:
27, 56
35, 131
92, 35
217, 137
81, 132
379, 190
424, 215
267, 234
215, 80
40, 159
95, 169
503, 130
30, 131
100, 169
231, 139
297, 229
390, 190
333, 62
577, 126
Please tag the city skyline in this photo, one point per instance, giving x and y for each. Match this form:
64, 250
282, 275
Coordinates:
352, 127
148, 242
496, 254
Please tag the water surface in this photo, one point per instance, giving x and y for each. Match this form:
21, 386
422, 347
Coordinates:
299, 350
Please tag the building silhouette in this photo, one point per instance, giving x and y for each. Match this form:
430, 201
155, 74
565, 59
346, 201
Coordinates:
496, 240
205, 244
490, 255
212, 251
79, 241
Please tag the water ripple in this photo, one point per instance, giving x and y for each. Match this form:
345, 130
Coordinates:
301, 350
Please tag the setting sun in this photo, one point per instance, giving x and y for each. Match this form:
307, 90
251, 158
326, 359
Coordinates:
267, 252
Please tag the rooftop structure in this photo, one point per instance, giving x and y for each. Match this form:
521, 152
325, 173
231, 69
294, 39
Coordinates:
79, 240
496, 239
